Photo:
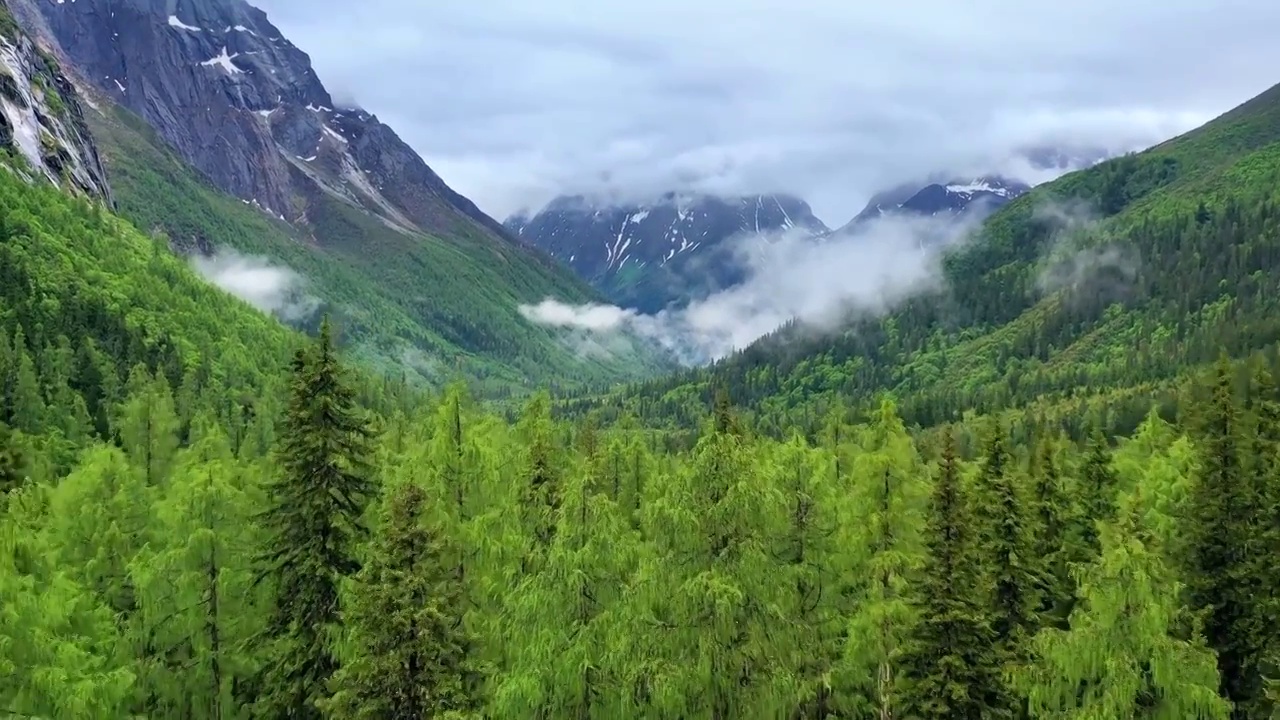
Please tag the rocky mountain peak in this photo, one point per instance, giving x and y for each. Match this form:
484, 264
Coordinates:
241, 103
958, 196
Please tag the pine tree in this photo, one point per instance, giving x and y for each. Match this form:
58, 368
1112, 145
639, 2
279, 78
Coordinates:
412, 653
28, 407
12, 473
714, 595
566, 661
148, 424
1050, 517
1098, 492
195, 581
1266, 490
951, 667
541, 479
314, 522
1224, 578
1006, 551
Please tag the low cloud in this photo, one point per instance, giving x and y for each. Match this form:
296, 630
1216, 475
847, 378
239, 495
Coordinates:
270, 288
791, 276
1080, 262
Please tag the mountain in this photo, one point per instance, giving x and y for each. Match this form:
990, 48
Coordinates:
217, 132
976, 196
649, 255
1100, 291
957, 197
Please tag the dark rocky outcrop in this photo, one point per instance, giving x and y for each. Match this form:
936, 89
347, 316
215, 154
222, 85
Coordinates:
242, 104
41, 121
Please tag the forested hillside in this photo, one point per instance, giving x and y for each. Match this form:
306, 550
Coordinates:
435, 308
438, 561
1104, 286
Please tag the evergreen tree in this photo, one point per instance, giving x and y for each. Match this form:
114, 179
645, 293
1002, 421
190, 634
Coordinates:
1050, 518
950, 665
815, 558
1098, 492
568, 660
714, 594
411, 653
27, 405
195, 581
314, 521
541, 480
1006, 550
1224, 580
12, 473
148, 425
59, 646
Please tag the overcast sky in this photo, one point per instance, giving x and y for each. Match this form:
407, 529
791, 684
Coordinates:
514, 101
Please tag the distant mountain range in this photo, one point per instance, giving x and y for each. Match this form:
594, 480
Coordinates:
649, 255
678, 247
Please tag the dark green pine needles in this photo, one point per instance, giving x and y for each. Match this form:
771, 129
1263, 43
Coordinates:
315, 522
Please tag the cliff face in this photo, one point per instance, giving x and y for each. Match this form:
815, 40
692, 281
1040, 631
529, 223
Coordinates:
242, 104
41, 122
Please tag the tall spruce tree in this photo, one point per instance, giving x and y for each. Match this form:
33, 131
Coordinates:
1006, 550
1050, 516
1097, 495
1224, 578
951, 666
314, 520
1266, 489
412, 654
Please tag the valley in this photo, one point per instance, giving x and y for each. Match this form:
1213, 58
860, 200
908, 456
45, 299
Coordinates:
291, 428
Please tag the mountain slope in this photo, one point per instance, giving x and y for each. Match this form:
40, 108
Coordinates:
422, 278
84, 296
650, 255
1126, 274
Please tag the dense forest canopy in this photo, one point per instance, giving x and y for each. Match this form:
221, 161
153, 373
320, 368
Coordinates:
1004, 500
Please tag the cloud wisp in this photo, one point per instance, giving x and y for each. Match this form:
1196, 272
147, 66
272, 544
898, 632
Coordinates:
790, 276
271, 288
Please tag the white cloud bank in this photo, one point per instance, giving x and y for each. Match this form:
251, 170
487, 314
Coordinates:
789, 276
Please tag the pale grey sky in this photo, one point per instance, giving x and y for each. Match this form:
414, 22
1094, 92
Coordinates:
513, 101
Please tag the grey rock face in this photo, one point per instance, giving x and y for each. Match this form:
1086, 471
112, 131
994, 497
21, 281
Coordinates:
242, 104
41, 120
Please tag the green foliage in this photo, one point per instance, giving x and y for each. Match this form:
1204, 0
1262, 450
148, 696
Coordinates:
953, 669
315, 521
1018, 327
434, 307
188, 536
412, 658
1126, 654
